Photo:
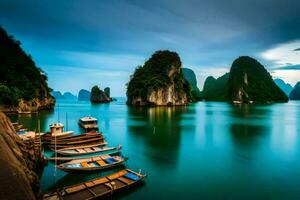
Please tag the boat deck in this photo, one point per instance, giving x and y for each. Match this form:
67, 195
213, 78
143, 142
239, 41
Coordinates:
97, 188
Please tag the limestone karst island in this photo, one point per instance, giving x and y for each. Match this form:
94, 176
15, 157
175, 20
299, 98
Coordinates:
149, 100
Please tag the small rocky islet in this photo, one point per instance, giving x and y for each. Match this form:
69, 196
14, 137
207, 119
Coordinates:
159, 82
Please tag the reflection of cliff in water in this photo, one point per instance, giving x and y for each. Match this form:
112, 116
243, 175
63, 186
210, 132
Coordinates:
249, 125
30, 121
159, 128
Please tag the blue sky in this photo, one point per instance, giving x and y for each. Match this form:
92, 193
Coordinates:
83, 43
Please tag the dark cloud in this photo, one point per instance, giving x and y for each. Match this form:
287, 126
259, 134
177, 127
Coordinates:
298, 49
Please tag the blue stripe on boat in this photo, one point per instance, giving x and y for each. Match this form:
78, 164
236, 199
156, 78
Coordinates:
110, 160
132, 176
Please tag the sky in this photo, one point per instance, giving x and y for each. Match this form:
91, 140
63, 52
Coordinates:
81, 43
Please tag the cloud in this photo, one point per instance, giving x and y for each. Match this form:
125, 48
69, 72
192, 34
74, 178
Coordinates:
298, 49
289, 76
288, 67
283, 54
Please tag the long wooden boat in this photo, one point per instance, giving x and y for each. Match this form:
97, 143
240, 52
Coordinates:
62, 159
85, 150
93, 163
73, 137
99, 187
98, 142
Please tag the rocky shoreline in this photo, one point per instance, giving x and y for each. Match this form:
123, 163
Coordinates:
19, 164
31, 106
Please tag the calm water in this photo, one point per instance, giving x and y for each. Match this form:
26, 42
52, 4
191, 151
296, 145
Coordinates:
203, 151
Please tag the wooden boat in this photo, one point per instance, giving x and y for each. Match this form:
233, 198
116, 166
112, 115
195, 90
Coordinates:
93, 163
56, 131
70, 158
85, 150
88, 123
99, 187
99, 142
76, 138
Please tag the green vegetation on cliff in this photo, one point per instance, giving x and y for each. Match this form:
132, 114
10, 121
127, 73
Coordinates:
190, 76
250, 81
19, 76
161, 70
215, 89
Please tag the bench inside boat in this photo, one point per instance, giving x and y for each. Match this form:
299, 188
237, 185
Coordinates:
98, 187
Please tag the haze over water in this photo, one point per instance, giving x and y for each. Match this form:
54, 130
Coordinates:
206, 150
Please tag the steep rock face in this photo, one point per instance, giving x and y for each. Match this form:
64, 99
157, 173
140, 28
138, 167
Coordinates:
215, 89
250, 82
17, 162
285, 87
190, 76
159, 82
84, 95
107, 91
20, 78
57, 95
99, 96
295, 93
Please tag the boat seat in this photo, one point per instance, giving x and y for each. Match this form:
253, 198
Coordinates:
84, 164
100, 181
110, 160
105, 156
101, 162
117, 175
88, 150
126, 180
132, 176
81, 151
89, 184
75, 188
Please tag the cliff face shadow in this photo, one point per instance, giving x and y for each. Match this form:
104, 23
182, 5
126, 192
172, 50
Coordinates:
159, 128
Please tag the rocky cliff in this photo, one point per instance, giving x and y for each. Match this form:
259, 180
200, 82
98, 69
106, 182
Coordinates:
215, 89
295, 93
159, 82
99, 96
285, 87
22, 83
17, 163
250, 82
190, 76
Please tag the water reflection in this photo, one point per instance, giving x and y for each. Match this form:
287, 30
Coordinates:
160, 129
248, 127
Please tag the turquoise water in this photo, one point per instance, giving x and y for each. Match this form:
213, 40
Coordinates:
206, 150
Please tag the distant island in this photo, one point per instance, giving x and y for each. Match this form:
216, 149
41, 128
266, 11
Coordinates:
159, 82
285, 87
295, 93
247, 82
23, 86
100, 96
84, 95
95, 96
67, 95
190, 76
